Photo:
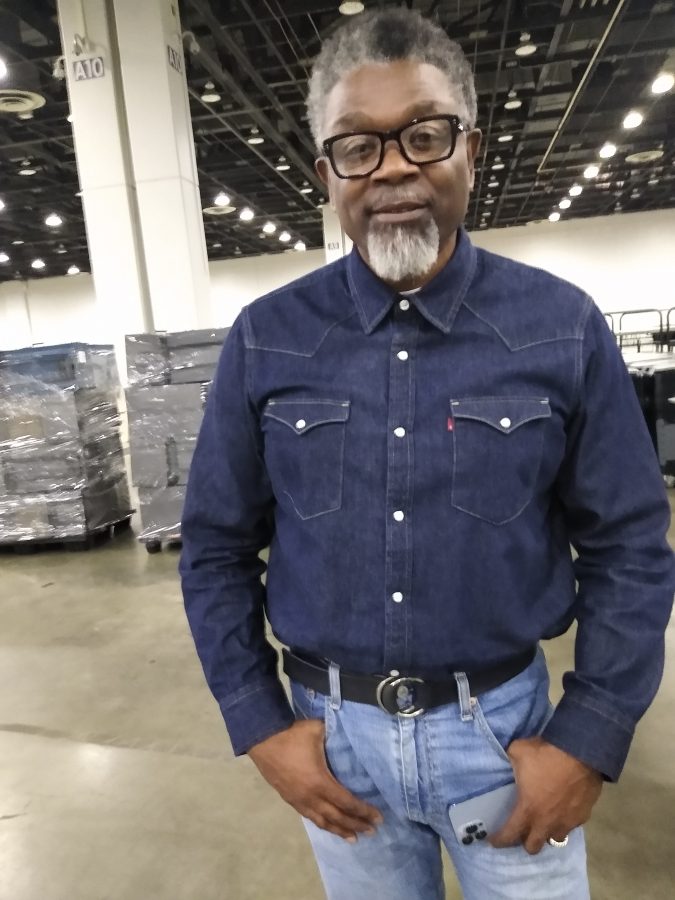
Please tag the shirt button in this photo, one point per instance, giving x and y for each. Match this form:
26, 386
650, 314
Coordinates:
399, 515
300, 423
404, 305
402, 355
399, 432
505, 422
397, 597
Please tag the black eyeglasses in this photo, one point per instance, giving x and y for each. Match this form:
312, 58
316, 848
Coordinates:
423, 141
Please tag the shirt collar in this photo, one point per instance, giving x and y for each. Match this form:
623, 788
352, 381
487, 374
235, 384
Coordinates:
438, 301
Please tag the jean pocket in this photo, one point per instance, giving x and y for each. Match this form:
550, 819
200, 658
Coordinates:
498, 445
307, 704
304, 453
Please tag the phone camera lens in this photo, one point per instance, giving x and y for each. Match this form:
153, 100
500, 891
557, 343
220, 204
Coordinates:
467, 840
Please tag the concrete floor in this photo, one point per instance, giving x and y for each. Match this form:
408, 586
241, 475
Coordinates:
116, 777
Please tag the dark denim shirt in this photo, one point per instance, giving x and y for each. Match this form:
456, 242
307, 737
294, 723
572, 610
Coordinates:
420, 468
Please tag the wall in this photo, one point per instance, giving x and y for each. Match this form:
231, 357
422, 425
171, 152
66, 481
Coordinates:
623, 261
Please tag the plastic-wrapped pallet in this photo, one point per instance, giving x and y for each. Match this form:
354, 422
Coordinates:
62, 473
193, 355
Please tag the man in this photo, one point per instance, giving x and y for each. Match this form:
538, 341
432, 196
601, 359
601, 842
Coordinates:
420, 430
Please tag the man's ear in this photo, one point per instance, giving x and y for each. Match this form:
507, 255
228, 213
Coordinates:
473, 141
322, 168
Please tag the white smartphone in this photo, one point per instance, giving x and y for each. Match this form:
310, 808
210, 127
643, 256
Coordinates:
478, 817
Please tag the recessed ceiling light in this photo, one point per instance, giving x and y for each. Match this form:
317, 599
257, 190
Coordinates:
69, 117
653, 181
284, 237
27, 170
497, 164
493, 184
216, 246
53, 220
246, 214
61, 249
306, 190
237, 251
351, 7
483, 225
575, 190
4, 258
2, 205
73, 270
644, 156
633, 119
554, 217
504, 138
489, 201
565, 203
591, 171
255, 137
221, 199
17, 243
210, 95
300, 246
282, 165
526, 48
38, 264
607, 150
3, 68
269, 227
513, 102
663, 83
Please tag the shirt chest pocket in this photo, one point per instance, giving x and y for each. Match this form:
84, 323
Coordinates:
498, 446
304, 453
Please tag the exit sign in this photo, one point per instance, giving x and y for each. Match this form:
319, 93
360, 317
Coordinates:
85, 69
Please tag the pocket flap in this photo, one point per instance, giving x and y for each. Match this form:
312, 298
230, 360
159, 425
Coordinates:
506, 414
303, 415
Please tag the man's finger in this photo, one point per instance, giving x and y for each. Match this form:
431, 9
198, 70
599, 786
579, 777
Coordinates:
326, 824
346, 823
534, 842
347, 803
513, 831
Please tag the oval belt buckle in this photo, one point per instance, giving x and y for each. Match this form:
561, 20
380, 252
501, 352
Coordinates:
396, 696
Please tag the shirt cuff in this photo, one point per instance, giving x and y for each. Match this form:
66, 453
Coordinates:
256, 713
590, 736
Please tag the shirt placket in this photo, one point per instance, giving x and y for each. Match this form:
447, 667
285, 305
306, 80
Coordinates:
400, 467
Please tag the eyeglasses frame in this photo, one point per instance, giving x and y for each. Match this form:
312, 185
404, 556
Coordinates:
395, 135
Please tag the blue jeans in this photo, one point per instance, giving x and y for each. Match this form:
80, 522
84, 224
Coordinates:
412, 770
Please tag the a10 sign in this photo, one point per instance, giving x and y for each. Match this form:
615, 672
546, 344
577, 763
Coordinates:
84, 69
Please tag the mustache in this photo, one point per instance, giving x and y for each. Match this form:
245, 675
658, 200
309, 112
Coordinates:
398, 196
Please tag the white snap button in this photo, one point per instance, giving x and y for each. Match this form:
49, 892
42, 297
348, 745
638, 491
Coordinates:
397, 597
399, 432
300, 423
505, 422
403, 355
404, 305
399, 515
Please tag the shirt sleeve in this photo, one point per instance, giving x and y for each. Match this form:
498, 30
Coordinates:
227, 521
617, 512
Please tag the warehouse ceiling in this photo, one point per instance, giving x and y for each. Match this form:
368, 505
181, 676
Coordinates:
581, 67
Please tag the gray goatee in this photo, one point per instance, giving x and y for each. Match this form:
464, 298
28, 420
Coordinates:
396, 252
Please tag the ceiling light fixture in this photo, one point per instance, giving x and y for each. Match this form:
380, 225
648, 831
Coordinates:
4, 258
591, 171
493, 184
653, 181
565, 203
269, 227
351, 7
663, 83
633, 119
38, 264
300, 246
513, 102
306, 189
576, 190
221, 199
69, 117
246, 214
53, 220
255, 137
27, 169
282, 165
607, 150
284, 237
2, 205
526, 48
497, 164
554, 217
73, 270
645, 156
17, 243
504, 138
3, 68
61, 249
210, 95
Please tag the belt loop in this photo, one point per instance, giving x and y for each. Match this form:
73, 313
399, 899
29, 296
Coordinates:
334, 681
464, 697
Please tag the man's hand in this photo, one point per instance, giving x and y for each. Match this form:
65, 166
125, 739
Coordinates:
556, 792
294, 763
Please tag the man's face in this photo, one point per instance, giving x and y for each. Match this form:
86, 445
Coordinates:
381, 97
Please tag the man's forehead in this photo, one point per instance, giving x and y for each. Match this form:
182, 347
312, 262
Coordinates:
383, 94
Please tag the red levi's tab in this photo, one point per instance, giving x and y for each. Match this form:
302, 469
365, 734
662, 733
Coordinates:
451, 424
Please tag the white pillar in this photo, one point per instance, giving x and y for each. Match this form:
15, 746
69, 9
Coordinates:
15, 324
336, 243
104, 169
164, 165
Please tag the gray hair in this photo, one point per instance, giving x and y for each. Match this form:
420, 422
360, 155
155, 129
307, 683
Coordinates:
380, 37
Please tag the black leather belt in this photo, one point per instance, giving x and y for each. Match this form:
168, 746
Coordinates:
403, 695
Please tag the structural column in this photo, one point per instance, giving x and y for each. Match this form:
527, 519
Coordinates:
335, 242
